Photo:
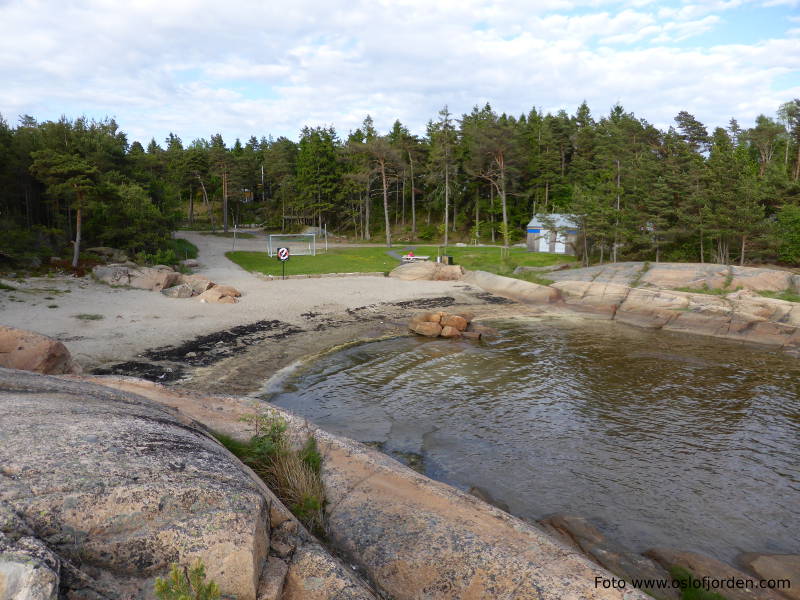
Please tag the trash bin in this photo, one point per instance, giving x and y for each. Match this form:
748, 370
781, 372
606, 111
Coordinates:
446, 259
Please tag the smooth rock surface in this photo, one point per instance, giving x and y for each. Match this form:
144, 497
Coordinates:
30, 351
596, 298
514, 289
122, 487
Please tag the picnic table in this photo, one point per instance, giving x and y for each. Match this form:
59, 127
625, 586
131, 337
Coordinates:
409, 259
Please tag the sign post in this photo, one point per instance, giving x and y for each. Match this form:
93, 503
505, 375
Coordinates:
283, 256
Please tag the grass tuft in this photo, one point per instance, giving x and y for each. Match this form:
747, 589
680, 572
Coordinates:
785, 295
4, 286
293, 474
89, 317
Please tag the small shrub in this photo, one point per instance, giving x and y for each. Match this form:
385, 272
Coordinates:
187, 584
89, 317
292, 474
4, 286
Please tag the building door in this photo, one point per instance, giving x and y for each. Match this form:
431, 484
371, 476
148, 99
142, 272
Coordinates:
544, 242
561, 246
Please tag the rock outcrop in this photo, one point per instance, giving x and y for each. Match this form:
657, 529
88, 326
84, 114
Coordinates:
741, 316
513, 289
116, 487
701, 566
684, 275
29, 351
411, 536
427, 270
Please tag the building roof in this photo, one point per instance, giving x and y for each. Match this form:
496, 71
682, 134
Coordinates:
553, 220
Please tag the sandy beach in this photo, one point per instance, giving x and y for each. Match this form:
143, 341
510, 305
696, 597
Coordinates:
104, 326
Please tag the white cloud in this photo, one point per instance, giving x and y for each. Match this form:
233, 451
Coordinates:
248, 67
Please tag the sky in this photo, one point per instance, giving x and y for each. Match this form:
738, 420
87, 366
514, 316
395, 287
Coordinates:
242, 68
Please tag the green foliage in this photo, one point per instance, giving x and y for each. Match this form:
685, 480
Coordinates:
187, 584
688, 591
787, 231
637, 192
785, 295
89, 317
292, 474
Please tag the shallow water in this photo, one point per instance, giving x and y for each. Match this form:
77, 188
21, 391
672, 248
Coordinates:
659, 439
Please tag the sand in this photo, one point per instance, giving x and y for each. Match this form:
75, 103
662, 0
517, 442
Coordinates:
119, 324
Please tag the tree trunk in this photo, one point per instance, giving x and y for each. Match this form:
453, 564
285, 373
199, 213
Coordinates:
616, 219
76, 252
386, 204
491, 210
413, 199
741, 259
446, 199
502, 191
367, 202
207, 203
225, 201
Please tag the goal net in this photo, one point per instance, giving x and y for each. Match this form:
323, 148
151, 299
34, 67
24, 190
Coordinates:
299, 244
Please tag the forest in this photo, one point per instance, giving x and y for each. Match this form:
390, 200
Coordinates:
635, 191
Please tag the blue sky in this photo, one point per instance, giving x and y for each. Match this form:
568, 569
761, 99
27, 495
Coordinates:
246, 68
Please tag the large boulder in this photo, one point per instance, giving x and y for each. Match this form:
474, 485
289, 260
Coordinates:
220, 294
113, 274
429, 271
29, 351
182, 290
121, 487
514, 289
198, 283
154, 278
426, 328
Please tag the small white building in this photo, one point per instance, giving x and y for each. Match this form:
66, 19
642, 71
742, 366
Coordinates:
555, 233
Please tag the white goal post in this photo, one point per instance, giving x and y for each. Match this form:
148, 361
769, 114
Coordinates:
299, 244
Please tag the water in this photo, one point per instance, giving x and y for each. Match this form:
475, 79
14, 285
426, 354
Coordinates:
659, 439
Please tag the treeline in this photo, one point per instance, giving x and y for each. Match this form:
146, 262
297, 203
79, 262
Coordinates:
635, 191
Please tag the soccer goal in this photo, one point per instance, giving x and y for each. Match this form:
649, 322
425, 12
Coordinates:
299, 244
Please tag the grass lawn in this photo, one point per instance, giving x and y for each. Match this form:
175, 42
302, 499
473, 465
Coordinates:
362, 260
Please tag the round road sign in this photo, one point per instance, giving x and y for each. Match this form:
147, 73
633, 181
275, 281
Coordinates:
283, 254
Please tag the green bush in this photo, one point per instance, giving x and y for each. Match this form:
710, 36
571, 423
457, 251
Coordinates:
787, 230
187, 584
293, 475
